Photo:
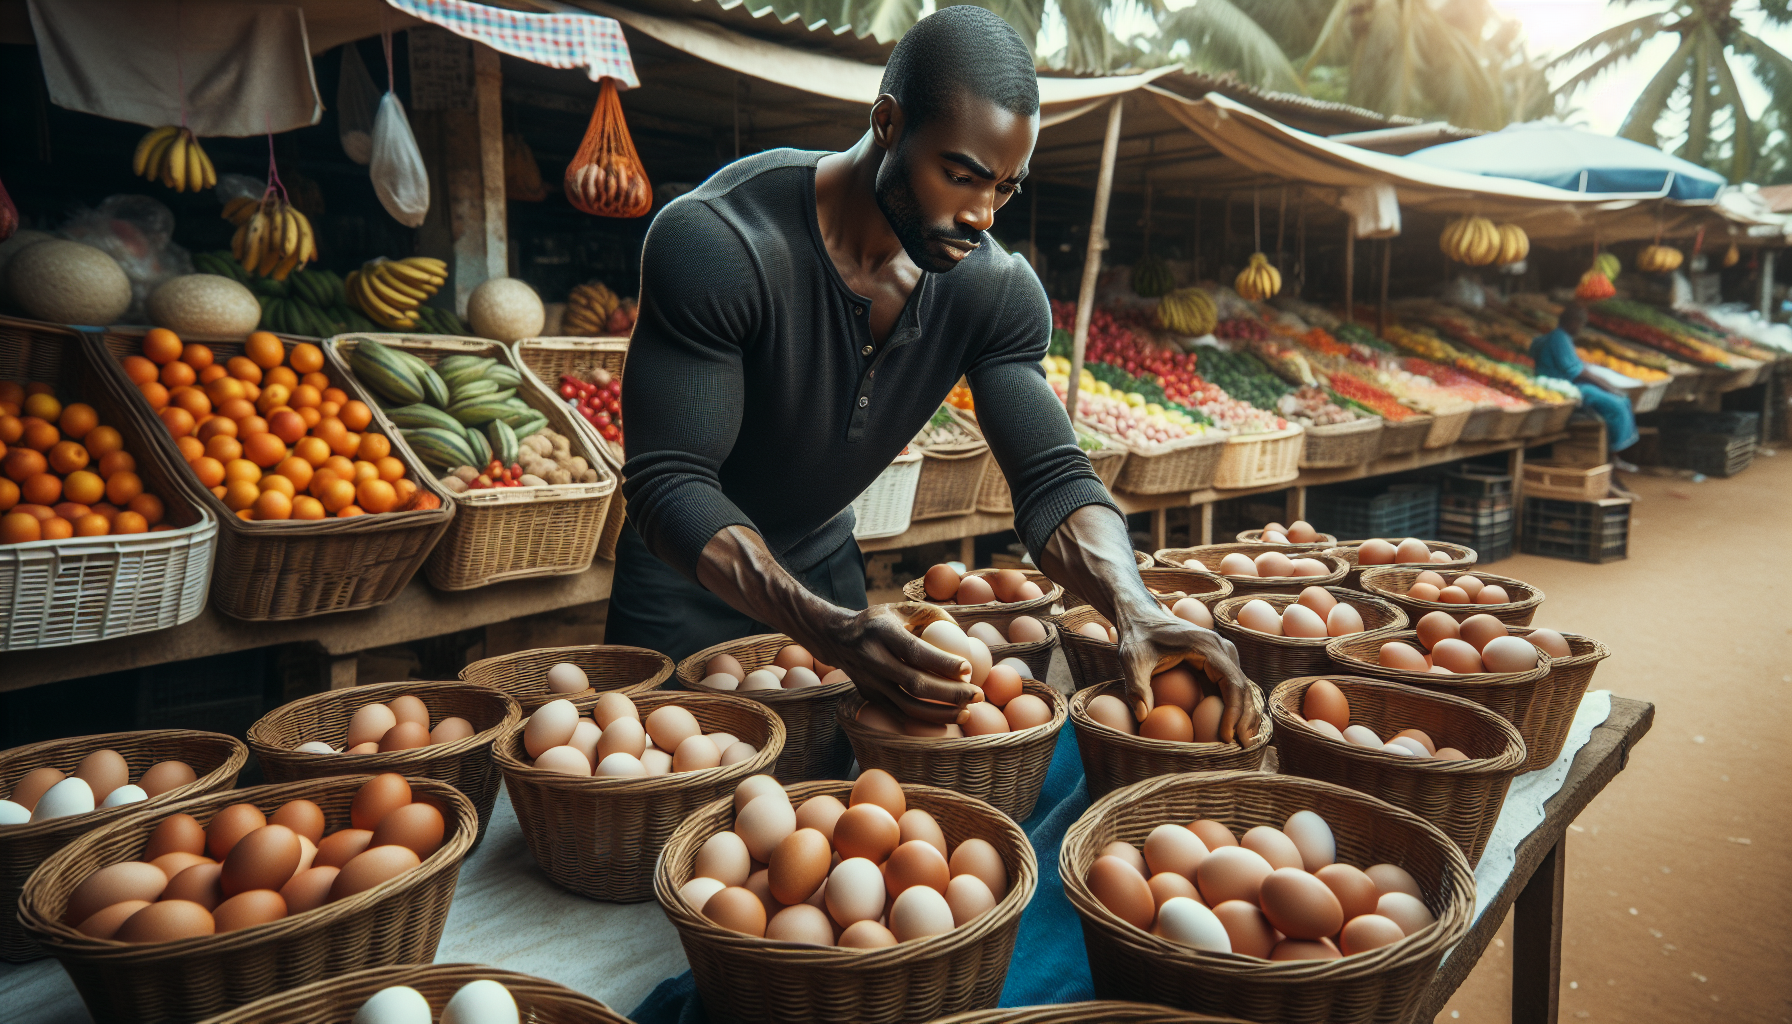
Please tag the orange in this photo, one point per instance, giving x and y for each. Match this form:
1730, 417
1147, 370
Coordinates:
223, 447
238, 409
264, 449
283, 376
20, 528
305, 397
335, 394
327, 408
116, 462
67, 456
84, 487
310, 416
139, 369
251, 425
306, 357
44, 407
103, 441
247, 515
336, 493
11, 391
70, 510
365, 471
297, 470
129, 522
42, 489
9, 494
320, 479
276, 482
216, 371
193, 400
390, 468
179, 421
355, 415
265, 349
219, 492
58, 529
190, 447
273, 505
251, 391
340, 466
306, 507
312, 450
350, 511
37, 512
241, 470
376, 495
38, 387
148, 506
223, 389
244, 369
373, 447
40, 436
348, 445
287, 425
154, 393
405, 491
330, 430
272, 397
215, 427
240, 495
209, 470
21, 464
11, 429
198, 357
178, 375
162, 345
92, 525
123, 487
78, 419
106, 510
316, 380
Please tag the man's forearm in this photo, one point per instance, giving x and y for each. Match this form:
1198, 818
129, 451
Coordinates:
1091, 554
737, 567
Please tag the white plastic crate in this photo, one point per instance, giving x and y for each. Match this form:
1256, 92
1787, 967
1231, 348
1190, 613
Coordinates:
885, 508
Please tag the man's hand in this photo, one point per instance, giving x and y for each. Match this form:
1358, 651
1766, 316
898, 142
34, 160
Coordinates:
889, 664
1150, 644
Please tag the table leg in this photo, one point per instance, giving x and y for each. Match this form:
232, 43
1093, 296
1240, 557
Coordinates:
1537, 941
1207, 524
1296, 504
967, 552
1515, 470
342, 672
1160, 529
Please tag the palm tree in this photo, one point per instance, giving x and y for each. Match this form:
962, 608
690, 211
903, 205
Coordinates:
1698, 77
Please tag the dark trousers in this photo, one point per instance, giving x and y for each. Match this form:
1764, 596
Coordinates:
652, 606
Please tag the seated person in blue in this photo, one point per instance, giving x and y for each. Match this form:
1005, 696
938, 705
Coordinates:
1555, 357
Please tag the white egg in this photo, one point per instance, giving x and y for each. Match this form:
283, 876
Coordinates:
124, 795
13, 814
1405, 910
990, 635
720, 681
800, 677
947, 637
400, 1004
620, 764
70, 796
1025, 670
1395, 748
481, 1002
567, 678
656, 762
738, 751
855, 892
977, 653
697, 891
1183, 920
762, 679
1258, 615
1362, 737
920, 911
1326, 729
315, 747
1313, 838
1190, 610
1414, 746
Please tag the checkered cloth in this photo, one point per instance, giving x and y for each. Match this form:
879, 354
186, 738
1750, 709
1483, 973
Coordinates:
555, 40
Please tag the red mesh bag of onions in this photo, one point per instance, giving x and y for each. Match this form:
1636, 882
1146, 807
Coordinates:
606, 177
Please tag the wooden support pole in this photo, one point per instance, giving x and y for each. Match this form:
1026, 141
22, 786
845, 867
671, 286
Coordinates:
1206, 523
1537, 940
1387, 264
1349, 267
1767, 285
474, 154
1098, 241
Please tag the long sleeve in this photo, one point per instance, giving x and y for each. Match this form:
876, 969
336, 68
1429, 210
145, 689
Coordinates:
1554, 356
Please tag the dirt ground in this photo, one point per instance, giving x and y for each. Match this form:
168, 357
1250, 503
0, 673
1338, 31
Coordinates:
1679, 876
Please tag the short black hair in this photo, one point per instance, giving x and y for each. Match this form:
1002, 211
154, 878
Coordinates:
960, 49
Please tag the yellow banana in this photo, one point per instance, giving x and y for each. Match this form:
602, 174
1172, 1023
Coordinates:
145, 145
307, 240
174, 166
371, 302
405, 272
208, 173
427, 263
237, 210
237, 247
408, 290
285, 266
158, 153
391, 296
258, 233
289, 232
195, 167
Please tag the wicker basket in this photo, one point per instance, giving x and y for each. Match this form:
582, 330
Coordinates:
1255, 460
1552, 708
216, 758
1145, 561
1325, 540
292, 568
1403, 437
1461, 798
1005, 770
464, 764
524, 674
1506, 422
546, 359
1534, 421
1105, 1011
1380, 986
742, 978
995, 497
1446, 429
814, 746
504, 533
1557, 415
1337, 445
59, 592
1479, 424
1390, 583
1037, 655
336, 1000
395, 922
1093, 661
886, 508
1186, 464
1113, 759
1461, 557
999, 614
952, 474
1683, 385
1212, 554
1268, 660
599, 836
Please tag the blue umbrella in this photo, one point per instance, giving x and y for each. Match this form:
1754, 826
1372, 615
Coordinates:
1576, 160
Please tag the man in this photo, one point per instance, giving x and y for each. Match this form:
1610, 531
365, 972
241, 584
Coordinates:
802, 315
1554, 356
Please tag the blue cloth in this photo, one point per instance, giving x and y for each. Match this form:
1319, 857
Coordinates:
1049, 964
1555, 357
1574, 159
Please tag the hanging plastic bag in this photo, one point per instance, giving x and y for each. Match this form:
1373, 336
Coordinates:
398, 174
606, 177
137, 232
356, 98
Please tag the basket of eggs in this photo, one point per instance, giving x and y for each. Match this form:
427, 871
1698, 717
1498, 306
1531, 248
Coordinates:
1299, 533
599, 785
1267, 897
917, 919
785, 677
1279, 635
1445, 759
1108, 1011
1180, 734
95, 780
1358, 555
1262, 568
184, 911
97, 540
439, 731
1090, 642
999, 755
1457, 593
451, 993
537, 676
995, 596
319, 510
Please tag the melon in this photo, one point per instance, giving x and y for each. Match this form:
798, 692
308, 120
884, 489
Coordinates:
204, 304
505, 309
11, 247
68, 283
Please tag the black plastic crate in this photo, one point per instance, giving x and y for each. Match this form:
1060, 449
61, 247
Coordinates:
1582, 531
1403, 510
1727, 424
1484, 524
1468, 483
1710, 454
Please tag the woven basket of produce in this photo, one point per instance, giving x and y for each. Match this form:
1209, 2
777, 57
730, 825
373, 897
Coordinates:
1377, 985
1255, 460
1403, 437
289, 568
477, 413
1104, 457
814, 746
1145, 561
1268, 658
1461, 796
1506, 422
995, 612
1557, 415
529, 676
589, 361
744, 977
1323, 540
458, 754
338, 999
215, 761
1446, 428
1558, 697
599, 835
1461, 557
1281, 578
1395, 582
1108, 1011
1113, 758
954, 457
1479, 423
1533, 423
397, 921
1185, 464
1336, 445
1095, 659
105, 583
1004, 769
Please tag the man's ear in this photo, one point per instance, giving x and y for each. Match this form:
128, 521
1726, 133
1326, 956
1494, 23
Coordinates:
886, 121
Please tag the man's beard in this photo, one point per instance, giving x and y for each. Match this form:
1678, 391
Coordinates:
895, 195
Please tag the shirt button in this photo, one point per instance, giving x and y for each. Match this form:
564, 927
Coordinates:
867, 350
863, 401
858, 310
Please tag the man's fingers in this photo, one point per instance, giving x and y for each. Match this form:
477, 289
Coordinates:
1229, 721
927, 710
947, 691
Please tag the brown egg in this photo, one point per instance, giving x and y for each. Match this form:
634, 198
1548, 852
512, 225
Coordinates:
1319, 600
941, 583
1450, 754
1492, 594
404, 736
1168, 723
1236, 563
172, 864
974, 590
801, 923
198, 884
1301, 532
866, 935
1213, 834
1480, 628
622, 736
868, 831
1421, 736
917, 824
1250, 932
916, 863
1394, 878
263, 859
418, 827
1260, 616
1369, 931
1273, 563
341, 846
370, 747
798, 866
968, 899
1176, 686
820, 813
378, 797
1129, 853
1457, 656
1093, 630
986, 720
230, 825
1190, 610
1356, 891
303, 817
1310, 567
1435, 626
1112, 712
1025, 629
1006, 584
551, 725
978, 857
757, 786
1273, 845
766, 820
671, 725
1375, 552
309, 889
1206, 719
409, 709
1467, 583
1423, 592
1395, 654
375, 865
34, 785
1412, 550
1454, 595
794, 655
1300, 905
1231, 873
737, 910
307, 854
1168, 885
1002, 685
451, 729
1304, 949
177, 833
1550, 642
1324, 701
248, 909
1120, 888
115, 883
1405, 910
104, 771
166, 775
104, 924
879, 787
370, 723
1027, 711
167, 921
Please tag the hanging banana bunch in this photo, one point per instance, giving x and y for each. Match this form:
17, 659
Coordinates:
1258, 281
1473, 240
272, 239
171, 155
389, 292
1659, 259
1515, 245
1187, 311
1732, 256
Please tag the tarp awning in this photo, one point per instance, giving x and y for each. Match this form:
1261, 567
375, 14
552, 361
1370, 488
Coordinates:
1575, 159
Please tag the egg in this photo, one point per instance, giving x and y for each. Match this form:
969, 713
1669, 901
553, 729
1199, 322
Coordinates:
1318, 599
263, 859
1406, 744
1312, 837
1120, 888
1302, 532
671, 725
1356, 892
1457, 656
974, 590
621, 736
104, 923
567, 678
1375, 552
1422, 592
1025, 629
876, 786
916, 862
986, 720
1550, 642
1343, 621
1274, 528
1412, 550
697, 891
584, 740
1273, 537
696, 753
1127, 852
1326, 729
1237, 564
801, 923
1029, 591
34, 785
1324, 701
720, 681
302, 816
1248, 931
1492, 594
724, 857
1093, 630
172, 864
1450, 754
1467, 582
793, 655
1170, 723
124, 795
1026, 712
819, 813
1300, 905
1302, 622
1112, 712
756, 786
69, 797
409, 709
373, 866
378, 797
1213, 834
1304, 949
613, 706
1261, 616
1362, 736
103, 770
247, 909
1002, 685
482, 1002
978, 857
836, 676
968, 898
309, 889
1395, 654
1167, 885
764, 822
855, 892
1311, 567
1273, 563
1370, 931
1419, 735
1394, 878
550, 726
232, 824
1509, 654
868, 831
916, 825
1405, 910
363, 748
167, 921
866, 935
1007, 583
418, 827
653, 762
1174, 849
1206, 719
1190, 610
1441, 557
1231, 873
370, 723
1454, 595
799, 865
1273, 845
979, 657
404, 736
1183, 920
341, 846
990, 635
1480, 629
941, 583
115, 883
200, 884
1435, 626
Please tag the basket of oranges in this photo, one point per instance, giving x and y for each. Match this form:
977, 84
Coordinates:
97, 539
320, 511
